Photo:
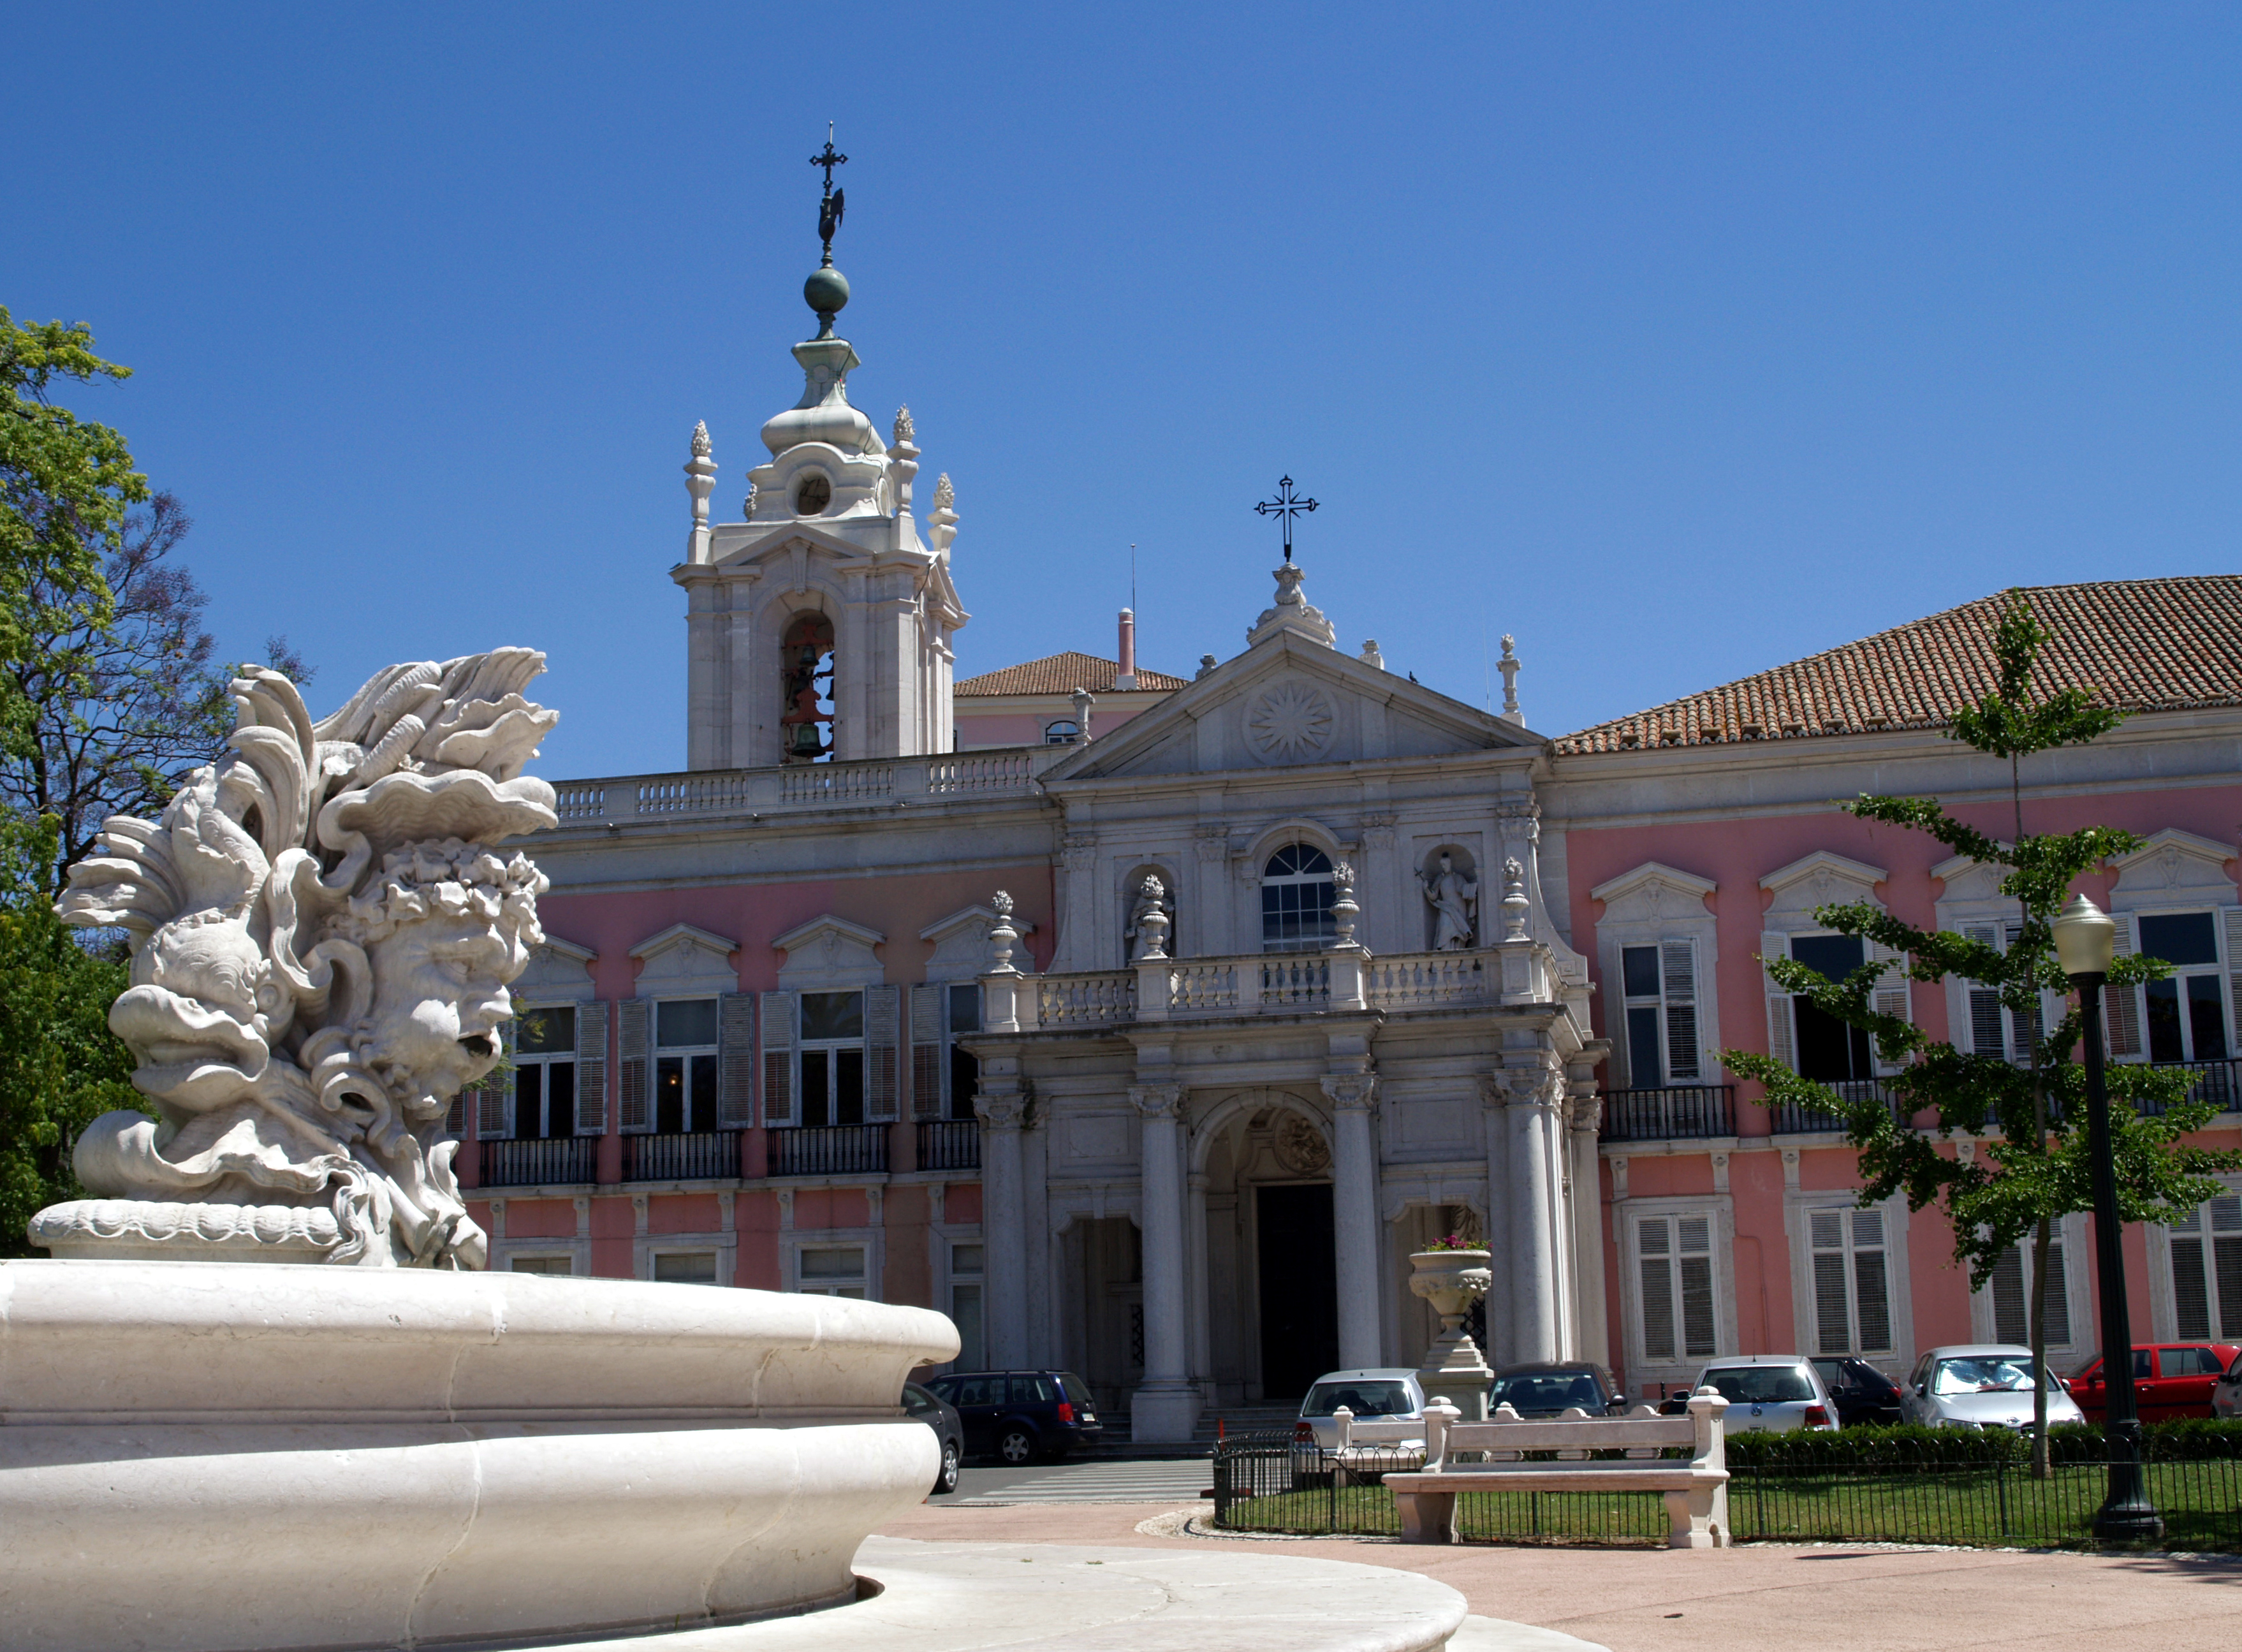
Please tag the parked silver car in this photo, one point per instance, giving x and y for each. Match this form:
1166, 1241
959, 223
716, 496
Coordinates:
2226, 1393
1388, 1393
1773, 1394
1981, 1385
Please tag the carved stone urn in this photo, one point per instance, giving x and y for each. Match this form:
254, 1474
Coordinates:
1455, 1369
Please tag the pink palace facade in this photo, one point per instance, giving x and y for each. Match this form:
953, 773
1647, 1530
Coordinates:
876, 998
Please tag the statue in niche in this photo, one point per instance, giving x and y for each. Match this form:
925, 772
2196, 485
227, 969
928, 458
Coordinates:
1453, 897
1152, 919
324, 928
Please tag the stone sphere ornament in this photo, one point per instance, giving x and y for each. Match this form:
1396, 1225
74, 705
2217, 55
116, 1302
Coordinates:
324, 925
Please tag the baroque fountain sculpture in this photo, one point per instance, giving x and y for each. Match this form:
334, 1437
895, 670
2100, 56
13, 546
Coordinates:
324, 926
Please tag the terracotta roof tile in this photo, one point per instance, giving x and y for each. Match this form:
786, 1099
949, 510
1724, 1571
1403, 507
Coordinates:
2154, 645
1063, 674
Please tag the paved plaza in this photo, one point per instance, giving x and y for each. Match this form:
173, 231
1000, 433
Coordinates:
1737, 1600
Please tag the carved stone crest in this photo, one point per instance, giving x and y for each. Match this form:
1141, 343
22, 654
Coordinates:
1300, 1146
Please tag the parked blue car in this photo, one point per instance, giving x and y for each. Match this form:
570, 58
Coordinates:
1022, 1415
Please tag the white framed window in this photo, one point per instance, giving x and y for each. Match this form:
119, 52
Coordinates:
830, 1270
830, 1058
1297, 897
544, 1045
1064, 732
1659, 983
685, 1068
2204, 1256
683, 1268
1677, 1310
2184, 1016
965, 1262
1851, 1281
536, 1264
1989, 1028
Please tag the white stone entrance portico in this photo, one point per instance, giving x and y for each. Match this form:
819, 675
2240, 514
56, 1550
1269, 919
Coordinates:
1307, 1011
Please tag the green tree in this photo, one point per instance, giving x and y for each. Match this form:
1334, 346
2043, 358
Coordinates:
2035, 1169
60, 1066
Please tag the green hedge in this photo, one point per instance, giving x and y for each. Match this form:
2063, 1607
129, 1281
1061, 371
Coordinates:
2191, 1439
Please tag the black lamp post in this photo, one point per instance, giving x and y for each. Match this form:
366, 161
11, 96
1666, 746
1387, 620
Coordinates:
2086, 941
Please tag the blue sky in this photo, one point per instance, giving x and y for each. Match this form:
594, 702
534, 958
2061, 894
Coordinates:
1680, 341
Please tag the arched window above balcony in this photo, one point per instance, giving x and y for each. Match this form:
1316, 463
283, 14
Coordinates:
1296, 900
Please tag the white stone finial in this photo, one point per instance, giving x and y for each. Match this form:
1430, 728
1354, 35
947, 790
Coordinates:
700, 481
701, 445
1001, 935
1371, 656
1149, 921
747, 505
1508, 665
945, 496
1515, 906
1291, 612
942, 526
1344, 909
905, 431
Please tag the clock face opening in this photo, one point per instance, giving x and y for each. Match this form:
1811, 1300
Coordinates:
811, 495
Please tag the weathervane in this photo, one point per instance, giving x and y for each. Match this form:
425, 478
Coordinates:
829, 209
1285, 507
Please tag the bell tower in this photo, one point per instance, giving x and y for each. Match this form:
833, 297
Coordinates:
819, 625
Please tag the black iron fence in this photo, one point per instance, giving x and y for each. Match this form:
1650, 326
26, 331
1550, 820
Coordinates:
1791, 1119
1677, 1112
685, 1156
554, 1161
1904, 1490
2216, 1081
949, 1143
828, 1150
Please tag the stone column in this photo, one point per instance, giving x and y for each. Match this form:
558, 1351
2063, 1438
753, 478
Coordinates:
1165, 1408
1004, 1229
1583, 1114
1534, 1098
1355, 1217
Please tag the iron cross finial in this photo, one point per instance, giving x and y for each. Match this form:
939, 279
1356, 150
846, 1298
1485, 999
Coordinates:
1284, 506
829, 207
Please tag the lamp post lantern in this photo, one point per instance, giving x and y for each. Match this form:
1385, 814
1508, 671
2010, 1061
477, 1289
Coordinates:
2086, 941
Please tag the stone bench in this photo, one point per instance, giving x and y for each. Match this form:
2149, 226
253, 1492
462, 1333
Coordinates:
1697, 1492
1381, 1443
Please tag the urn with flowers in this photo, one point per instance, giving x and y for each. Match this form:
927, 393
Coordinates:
1450, 1274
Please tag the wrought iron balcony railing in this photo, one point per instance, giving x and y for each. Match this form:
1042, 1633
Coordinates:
949, 1143
685, 1156
829, 1150
1791, 1119
1677, 1112
554, 1161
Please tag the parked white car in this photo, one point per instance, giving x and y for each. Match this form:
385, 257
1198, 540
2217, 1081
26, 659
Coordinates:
1981, 1385
1766, 1393
1386, 1394
2226, 1393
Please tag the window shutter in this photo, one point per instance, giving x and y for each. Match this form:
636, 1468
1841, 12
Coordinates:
1781, 1042
634, 1101
1695, 1234
592, 1069
2122, 1005
2191, 1300
2232, 916
2026, 1029
1654, 1243
1891, 996
2226, 1261
1985, 1002
779, 1009
455, 1119
1833, 1319
2058, 1298
1678, 966
1871, 1289
883, 1009
735, 1061
491, 1110
929, 1004
2010, 1321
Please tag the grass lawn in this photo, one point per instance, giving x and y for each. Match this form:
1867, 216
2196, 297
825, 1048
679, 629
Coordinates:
2201, 1502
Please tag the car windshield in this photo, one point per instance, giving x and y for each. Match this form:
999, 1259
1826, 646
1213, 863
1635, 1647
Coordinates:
1077, 1390
1772, 1385
1546, 1390
1984, 1373
1363, 1398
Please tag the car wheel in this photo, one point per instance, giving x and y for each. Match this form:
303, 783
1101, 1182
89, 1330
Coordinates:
946, 1481
1017, 1446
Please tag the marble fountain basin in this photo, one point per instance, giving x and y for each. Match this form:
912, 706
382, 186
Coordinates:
204, 1456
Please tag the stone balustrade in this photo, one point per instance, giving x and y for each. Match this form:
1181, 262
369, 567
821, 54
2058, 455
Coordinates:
1275, 984
786, 788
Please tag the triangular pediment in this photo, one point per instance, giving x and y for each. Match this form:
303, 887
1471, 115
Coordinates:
1289, 702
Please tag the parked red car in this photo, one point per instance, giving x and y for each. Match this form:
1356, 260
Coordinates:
2171, 1380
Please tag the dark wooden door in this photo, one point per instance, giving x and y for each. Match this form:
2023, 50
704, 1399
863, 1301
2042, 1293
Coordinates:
1299, 1288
